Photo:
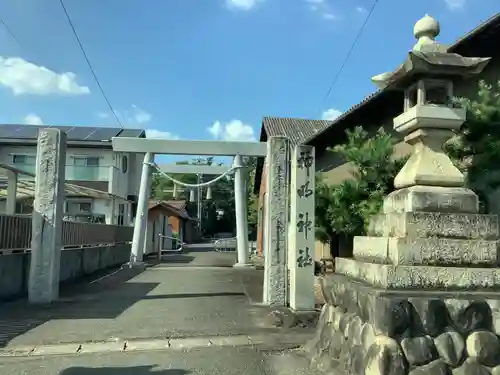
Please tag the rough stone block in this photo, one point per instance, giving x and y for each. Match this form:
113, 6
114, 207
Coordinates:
412, 277
426, 251
377, 331
371, 248
434, 224
442, 251
432, 199
450, 347
484, 346
426, 312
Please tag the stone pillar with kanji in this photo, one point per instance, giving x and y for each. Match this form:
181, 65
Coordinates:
422, 293
276, 222
301, 229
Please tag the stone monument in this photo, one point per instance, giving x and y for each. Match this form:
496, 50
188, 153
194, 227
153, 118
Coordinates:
422, 294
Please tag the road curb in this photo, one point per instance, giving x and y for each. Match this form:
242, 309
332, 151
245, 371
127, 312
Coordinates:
269, 341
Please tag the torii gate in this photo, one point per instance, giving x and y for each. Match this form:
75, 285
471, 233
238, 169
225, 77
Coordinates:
240, 189
287, 252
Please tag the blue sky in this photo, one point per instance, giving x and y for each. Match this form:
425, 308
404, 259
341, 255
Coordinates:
204, 69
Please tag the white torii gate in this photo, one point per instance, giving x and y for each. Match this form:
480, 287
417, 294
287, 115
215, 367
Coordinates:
289, 214
240, 190
181, 147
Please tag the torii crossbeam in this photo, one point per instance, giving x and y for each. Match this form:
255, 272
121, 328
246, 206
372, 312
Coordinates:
180, 147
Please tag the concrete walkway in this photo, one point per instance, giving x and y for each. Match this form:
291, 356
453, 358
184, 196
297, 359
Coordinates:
189, 303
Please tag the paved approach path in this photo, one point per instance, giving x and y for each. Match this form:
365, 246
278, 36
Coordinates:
189, 313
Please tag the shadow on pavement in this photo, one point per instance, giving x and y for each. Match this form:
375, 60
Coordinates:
194, 249
192, 295
202, 258
253, 284
136, 370
175, 258
104, 299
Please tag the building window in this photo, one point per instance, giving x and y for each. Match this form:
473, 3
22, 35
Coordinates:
24, 207
124, 164
85, 168
121, 214
26, 163
74, 207
86, 161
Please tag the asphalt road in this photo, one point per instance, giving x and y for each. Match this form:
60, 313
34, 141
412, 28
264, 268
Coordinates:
191, 296
207, 361
164, 301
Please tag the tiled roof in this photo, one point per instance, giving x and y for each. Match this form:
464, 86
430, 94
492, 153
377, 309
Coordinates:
485, 30
493, 22
180, 205
298, 130
177, 207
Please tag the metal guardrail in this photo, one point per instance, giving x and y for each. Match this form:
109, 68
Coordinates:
16, 234
225, 244
230, 245
179, 248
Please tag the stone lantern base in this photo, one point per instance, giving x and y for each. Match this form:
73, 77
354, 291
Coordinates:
422, 294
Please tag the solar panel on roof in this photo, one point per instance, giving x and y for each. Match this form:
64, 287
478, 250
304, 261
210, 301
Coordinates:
131, 133
63, 128
79, 133
101, 134
4, 131
24, 132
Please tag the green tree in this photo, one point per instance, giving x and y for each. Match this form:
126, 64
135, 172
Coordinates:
219, 212
252, 199
222, 200
476, 146
346, 208
324, 199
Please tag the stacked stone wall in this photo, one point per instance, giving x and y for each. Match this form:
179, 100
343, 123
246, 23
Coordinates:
370, 334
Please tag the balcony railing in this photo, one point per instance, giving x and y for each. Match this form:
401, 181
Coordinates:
30, 168
15, 233
76, 172
88, 173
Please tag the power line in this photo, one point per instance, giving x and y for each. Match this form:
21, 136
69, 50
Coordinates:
9, 31
351, 49
89, 64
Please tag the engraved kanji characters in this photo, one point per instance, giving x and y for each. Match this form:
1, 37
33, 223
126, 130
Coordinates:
305, 258
304, 225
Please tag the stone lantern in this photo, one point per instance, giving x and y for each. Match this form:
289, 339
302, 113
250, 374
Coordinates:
427, 77
422, 294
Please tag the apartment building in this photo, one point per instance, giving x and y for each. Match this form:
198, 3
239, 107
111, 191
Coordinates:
101, 185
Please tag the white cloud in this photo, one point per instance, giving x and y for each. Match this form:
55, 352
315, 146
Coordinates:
330, 114
24, 77
234, 130
455, 5
141, 116
33, 119
137, 117
133, 116
154, 133
244, 5
361, 9
323, 8
329, 16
